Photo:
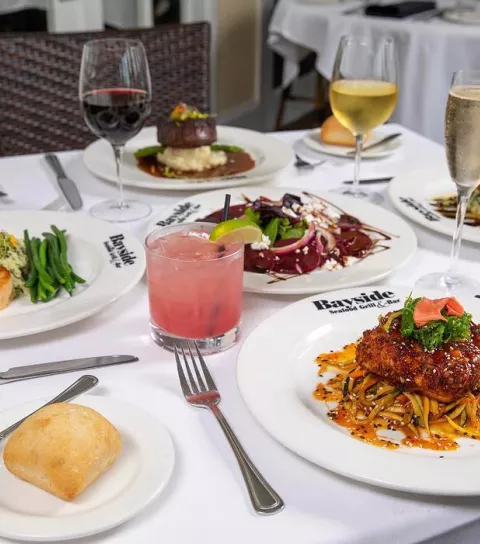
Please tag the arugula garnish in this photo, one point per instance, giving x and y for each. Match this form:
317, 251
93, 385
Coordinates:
271, 230
252, 215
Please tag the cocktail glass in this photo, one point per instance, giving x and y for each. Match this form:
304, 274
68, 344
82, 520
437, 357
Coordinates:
194, 287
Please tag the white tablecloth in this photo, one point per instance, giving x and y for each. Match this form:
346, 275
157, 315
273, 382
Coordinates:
428, 53
206, 499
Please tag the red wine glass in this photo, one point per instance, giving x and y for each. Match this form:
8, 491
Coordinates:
115, 94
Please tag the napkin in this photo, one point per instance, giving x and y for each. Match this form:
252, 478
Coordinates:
399, 10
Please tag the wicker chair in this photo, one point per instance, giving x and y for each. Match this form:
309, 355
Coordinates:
39, 108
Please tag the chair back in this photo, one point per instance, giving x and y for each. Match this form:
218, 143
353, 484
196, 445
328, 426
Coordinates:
39, 72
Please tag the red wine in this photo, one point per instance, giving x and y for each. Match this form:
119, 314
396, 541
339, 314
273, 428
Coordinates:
116, 114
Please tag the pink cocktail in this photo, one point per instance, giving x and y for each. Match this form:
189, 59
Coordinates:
194, 287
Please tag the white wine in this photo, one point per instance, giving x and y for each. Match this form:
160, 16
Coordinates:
362, 104
462, 135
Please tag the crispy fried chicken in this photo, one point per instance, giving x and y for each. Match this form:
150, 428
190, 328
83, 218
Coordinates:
446, 374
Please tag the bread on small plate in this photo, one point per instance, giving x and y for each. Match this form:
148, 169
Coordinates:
62, 449
334, 133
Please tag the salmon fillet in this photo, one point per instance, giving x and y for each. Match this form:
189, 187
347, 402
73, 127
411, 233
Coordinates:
446, 374
6, 287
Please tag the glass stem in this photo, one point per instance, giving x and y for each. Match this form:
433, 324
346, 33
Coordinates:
358, 158
463, 198
118, 152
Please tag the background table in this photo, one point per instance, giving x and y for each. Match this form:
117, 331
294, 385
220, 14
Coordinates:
206, 500
428, 53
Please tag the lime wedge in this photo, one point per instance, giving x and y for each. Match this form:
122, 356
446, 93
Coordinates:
236, 230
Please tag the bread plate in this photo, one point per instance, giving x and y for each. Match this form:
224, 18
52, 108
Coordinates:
138, 476
111, 261
313, 141
270, 154
277, 375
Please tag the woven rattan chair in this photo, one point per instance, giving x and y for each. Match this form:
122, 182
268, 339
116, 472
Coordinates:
39, 107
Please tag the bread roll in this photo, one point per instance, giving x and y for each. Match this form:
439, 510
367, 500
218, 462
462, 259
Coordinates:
334, 133
62, 449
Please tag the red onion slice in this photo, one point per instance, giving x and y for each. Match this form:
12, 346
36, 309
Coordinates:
298, 244
331, 243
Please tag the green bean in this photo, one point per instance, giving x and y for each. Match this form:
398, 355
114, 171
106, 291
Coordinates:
53, 259
44, 278
33, 293
41, 292
77, 278
43, 253
51, 296
32, 273
69, 286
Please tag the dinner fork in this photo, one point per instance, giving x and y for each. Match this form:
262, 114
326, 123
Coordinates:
202, 392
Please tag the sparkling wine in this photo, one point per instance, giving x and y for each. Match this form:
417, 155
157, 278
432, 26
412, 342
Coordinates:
462, 135
362, 104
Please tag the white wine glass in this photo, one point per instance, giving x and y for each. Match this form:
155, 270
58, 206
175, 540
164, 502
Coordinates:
462, 146
115, 94
363, 93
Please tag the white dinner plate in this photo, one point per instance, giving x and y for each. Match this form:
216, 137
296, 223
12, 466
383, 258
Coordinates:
411, 194
462, 16
111, 261
313, 141
401, 247
271, 157
137, 477
277, 374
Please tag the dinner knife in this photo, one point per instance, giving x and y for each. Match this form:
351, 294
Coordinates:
47, 369
383, 141
368, 181
66, 185
82, 385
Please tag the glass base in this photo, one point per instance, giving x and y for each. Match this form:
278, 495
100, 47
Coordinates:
128, 210
449, 284
207, 346
368, 196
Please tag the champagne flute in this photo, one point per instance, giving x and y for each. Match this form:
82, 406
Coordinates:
462, 145
115, 94
363, 93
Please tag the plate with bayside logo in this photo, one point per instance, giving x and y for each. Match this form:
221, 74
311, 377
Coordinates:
270, 155
428, 197
278, 377
333, 241
109, 260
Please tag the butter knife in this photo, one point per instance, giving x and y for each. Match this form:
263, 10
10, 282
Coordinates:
383, 141
82, 385
66, 185
47, 369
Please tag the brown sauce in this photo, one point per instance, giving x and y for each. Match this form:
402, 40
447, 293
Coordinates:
237, 162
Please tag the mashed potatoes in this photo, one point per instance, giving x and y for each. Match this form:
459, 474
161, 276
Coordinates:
195, 159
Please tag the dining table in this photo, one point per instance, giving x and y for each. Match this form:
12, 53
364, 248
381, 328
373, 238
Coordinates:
206, 500
428, 51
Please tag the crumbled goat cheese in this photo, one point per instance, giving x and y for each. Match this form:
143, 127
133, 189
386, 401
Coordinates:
331, 264
264, 244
